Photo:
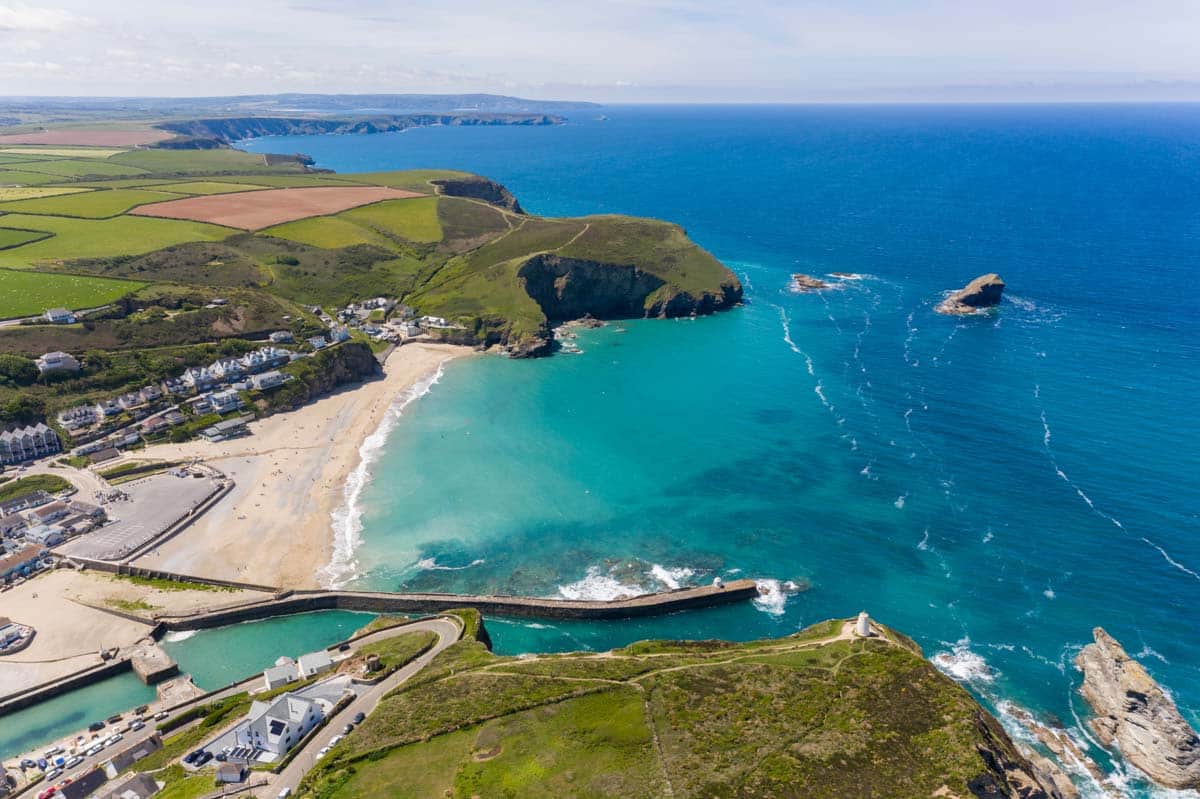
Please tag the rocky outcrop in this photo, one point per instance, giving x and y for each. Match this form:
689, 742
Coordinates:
1009, 775
805, 283
982, 292
206, 133
1136, 715
478, 188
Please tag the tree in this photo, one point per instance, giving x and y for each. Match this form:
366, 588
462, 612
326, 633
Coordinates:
17, 370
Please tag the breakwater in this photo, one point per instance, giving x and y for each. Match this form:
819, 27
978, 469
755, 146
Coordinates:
288, 603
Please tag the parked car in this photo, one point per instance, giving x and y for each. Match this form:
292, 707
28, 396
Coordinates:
113, 739
344, 648
162, 714
285, 793
324, 751
335, 740
53, 773
51, 752
95, 726
358, 717
191, 757
94, 750
46, 794
74, 761
346, 730
136, 725
42, 763
27, 763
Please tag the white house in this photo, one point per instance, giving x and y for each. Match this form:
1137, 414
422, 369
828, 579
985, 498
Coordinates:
75, 418
281, 337
317, 342
59, 316
225, 401
57, 362
339, 334
268, 380
26, 443
278, 725
283, 672
314, 663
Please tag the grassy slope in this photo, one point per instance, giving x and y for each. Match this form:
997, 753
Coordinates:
24, 293
798, 716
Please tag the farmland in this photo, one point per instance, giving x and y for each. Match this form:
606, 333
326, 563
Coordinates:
24, 293
207, 187
260, 209
34, 192
89, 205
95, 238
62, 152
15, 238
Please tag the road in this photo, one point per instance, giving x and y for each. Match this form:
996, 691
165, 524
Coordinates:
447, 629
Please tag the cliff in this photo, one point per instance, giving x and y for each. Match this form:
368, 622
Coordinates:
324, 371
1135, 714
219, 131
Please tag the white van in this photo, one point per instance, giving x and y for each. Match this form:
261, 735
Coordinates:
285, 793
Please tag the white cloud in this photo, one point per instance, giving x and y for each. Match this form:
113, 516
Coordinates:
21, 17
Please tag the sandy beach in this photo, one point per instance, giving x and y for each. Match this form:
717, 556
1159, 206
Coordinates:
275, 527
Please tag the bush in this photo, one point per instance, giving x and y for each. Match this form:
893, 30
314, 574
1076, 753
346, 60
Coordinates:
16, 370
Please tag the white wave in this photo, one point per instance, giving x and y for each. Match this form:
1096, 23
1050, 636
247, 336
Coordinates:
533, 625
771, 597
179, 635
347, 518
923, 544
431, 564
733, 571
964, 665
597, 587
1169, 559
900, 500
1049, 593
671, 578
988, 536
1147, 652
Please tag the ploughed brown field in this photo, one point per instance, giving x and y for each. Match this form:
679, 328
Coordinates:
83, 137
254, 210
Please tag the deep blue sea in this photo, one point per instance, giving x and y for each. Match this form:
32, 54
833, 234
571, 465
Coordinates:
994, 486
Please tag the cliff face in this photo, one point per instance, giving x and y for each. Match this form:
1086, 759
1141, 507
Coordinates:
1133, 712
202, 133
570, 288
349, 362
479, 188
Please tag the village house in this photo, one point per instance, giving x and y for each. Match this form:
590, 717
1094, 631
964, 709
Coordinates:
151, 393
229, 428
280, 724
283, 672
108, 407
75, 418
282, 337
11, 525
176, 386
135, 786
225, 401
59, 316
314, 663
57, 362
339, 334
268, 380
48, 513
226, 369
46, 535
155, 424
83, 785
198, 378
30, 500
20, 563
316, 342
174, 418
27, 443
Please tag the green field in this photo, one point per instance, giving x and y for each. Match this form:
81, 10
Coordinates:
169, 162
25, 293
14, 238
287, 181
50, 483
77, 168
16, 177
90, 205
34, 192
61, 152
97, 238
329, 232
414, 220
24, 158
207, 187
413, 179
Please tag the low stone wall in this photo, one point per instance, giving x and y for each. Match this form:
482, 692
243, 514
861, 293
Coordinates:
53, 688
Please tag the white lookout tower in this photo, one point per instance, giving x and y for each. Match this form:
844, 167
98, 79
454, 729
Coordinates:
863, 627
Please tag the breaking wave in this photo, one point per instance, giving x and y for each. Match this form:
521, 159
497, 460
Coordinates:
963, 664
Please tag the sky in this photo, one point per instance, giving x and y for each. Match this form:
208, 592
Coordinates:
610, 51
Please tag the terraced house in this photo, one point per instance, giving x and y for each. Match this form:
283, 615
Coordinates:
27, 443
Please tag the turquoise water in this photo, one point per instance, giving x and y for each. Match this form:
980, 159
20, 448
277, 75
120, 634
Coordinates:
214, 658
47, 721
993, 486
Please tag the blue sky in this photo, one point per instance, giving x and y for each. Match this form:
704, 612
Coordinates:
614, 51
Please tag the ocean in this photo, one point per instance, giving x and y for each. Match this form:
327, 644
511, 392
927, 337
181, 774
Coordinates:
994, 486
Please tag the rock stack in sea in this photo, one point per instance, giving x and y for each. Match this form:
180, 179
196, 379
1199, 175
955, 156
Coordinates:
801, 282
1133, 712
982, 292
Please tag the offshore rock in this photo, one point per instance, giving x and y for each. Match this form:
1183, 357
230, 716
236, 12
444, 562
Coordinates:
805, 283
1134, 713
982, 292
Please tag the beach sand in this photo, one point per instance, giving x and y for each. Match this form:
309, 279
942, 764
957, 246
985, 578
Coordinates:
275, 527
